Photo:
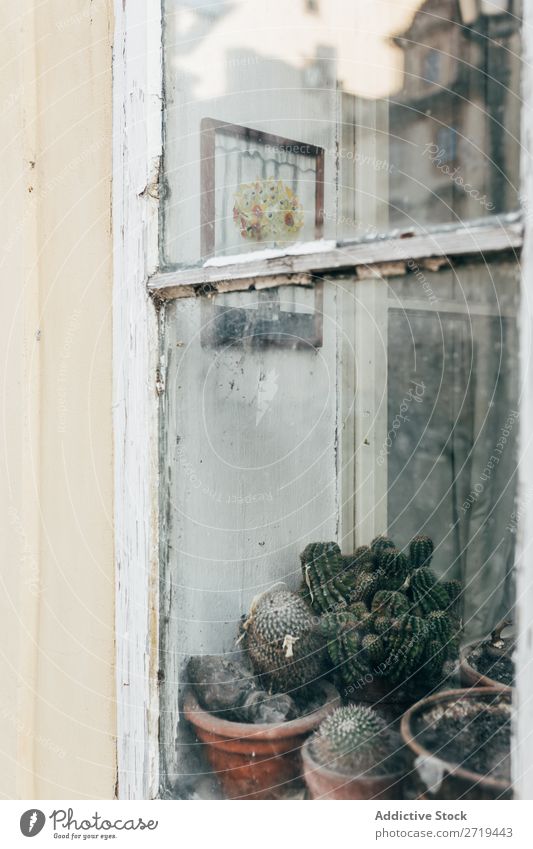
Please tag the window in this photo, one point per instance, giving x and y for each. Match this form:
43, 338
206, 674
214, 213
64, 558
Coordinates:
371, 87
338, 361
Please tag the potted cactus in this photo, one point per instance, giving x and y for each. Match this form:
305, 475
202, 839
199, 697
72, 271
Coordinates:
461, 740
354, 755
287, 654
389, 624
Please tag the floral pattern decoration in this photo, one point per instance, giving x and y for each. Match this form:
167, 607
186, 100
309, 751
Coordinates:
267, 210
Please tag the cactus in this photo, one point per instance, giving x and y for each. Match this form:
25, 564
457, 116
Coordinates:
359, 611
455, 591
433, 660
355, 740
383, 611
380, 543
421, 552
447, 628
425, 592
439, 625
366, 586
381, 623
343, 643
325, 575
362, 560
374, 647
395, 566
406, 642
389, 603
284, 645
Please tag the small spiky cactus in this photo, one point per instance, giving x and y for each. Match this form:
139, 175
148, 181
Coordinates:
395, 566
432, 660
343, 644
425, 592
283, 642
359, 611
362, 560
389, 603
406, 643
381, 543
325, 575
374, 647
439, 625
366, 586
421, 551
455, 591
354, 740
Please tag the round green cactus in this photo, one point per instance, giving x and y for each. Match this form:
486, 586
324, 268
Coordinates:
283, 642
355, 740
421, 551
381, 623
374, 647
359, 611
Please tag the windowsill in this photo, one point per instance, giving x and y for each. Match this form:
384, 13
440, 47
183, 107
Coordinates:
298, 264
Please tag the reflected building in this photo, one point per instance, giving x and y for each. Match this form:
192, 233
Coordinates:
453, 155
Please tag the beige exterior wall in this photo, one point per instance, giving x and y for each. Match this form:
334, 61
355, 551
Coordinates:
57, 709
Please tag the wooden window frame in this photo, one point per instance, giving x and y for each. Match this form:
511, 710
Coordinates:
139, 288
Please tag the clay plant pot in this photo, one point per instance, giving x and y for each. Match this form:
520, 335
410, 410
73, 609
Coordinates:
324, 783
457, 781
470, 676
255, 761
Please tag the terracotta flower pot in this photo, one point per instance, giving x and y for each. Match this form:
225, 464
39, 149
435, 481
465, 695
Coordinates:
255, 761
457, 781
472, 678
324, 783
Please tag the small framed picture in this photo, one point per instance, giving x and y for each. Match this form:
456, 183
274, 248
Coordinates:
258, 190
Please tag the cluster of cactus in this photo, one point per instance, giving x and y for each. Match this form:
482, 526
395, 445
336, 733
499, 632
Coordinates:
355, 740
383, 611
283, 641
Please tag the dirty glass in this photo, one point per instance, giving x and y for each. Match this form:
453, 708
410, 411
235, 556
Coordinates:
332, 411
290, 122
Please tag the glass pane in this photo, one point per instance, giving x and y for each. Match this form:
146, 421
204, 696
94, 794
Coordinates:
330, 414
452, 461
342, 120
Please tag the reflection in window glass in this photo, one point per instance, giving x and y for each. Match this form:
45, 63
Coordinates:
338, 120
